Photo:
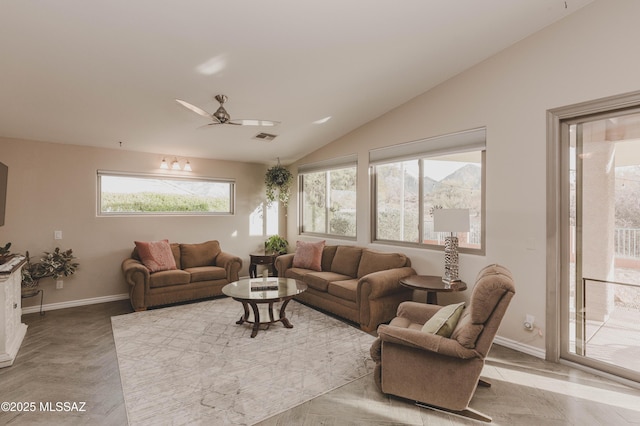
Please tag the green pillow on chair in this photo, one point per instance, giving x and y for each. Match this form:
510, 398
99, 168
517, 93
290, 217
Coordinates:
445, 320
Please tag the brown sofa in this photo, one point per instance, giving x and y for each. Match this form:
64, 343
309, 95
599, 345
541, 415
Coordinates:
355, 283
203, 269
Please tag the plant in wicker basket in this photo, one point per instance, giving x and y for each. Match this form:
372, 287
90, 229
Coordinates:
53, 264
278, 179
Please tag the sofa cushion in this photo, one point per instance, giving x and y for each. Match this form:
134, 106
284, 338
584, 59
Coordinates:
156, 255
308, 255
374, 261
203, 254
328, 254
169, 278
346, 289
320, 280
297, 273
445, 320
207, 273
346, 260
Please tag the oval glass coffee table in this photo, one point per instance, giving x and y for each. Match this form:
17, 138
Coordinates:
251, 292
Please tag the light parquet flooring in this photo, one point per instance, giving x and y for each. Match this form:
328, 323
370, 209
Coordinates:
69, 355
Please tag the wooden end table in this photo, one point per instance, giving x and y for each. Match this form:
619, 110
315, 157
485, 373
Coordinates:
433, 285
262, 258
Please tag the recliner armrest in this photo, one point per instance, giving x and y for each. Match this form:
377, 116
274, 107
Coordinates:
425, 341
417, 312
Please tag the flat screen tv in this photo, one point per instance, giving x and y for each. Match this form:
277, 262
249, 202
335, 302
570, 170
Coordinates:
4, 173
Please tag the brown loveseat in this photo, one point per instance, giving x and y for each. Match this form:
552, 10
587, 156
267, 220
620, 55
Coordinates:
202, 270
355, 283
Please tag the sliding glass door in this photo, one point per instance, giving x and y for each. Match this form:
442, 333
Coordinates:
600, 289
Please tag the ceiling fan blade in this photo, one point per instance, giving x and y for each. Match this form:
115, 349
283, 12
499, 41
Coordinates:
194, 108
215, 123
250, 122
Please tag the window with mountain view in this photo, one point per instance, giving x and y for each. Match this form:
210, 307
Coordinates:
406, 192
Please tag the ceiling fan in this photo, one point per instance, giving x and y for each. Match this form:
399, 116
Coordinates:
221, 116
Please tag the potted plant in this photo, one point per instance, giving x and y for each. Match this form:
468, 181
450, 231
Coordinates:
5, 253
53, 264
276, 244
278, 180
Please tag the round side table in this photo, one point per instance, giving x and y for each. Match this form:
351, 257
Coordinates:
262, 258
432, 285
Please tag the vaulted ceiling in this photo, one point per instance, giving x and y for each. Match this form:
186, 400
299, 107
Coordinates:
108, 71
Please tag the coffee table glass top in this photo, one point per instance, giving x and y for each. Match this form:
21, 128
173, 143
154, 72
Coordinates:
272, 288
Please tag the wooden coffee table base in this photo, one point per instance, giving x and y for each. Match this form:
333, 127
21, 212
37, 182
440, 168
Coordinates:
256, 315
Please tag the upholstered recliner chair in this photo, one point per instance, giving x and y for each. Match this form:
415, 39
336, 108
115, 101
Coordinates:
438, 371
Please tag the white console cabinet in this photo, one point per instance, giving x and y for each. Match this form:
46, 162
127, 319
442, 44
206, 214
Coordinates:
12, 330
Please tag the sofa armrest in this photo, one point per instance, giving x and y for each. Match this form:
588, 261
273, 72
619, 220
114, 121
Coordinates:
231, 264
425, 341
382, 283
284, 262
137, 276
135, 273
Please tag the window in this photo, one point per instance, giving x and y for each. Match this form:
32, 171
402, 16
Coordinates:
138, 194
328, 198
410, 180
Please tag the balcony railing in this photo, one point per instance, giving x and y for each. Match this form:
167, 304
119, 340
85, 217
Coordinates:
627, 242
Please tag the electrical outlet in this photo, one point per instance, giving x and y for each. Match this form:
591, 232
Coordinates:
59, 284
528, 322
57, 235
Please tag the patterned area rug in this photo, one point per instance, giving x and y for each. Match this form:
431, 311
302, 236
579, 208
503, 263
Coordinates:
191, 364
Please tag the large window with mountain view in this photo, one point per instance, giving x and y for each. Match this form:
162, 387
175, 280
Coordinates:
328, 199
139, 194
445, 172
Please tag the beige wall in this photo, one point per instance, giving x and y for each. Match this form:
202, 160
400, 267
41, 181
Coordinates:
53, 187
589, 55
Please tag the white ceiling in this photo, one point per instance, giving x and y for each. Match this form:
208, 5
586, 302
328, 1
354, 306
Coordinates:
103, 71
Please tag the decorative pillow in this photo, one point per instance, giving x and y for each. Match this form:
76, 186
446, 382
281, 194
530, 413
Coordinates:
444, 321
308, 255
156, 255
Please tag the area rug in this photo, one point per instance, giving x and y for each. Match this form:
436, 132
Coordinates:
191, 364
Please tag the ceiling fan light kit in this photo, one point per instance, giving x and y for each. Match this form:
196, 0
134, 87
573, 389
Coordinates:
221, 116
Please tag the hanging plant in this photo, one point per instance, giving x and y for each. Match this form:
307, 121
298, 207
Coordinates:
278, 180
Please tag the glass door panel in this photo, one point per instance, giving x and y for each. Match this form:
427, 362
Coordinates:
602, 305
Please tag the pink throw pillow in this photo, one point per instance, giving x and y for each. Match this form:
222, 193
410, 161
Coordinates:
156, 255
308, 255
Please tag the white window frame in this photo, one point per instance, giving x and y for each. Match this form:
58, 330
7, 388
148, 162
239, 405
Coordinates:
104, 173
467, 141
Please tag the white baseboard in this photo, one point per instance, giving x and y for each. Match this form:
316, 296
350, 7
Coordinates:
520, 347
74, 303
